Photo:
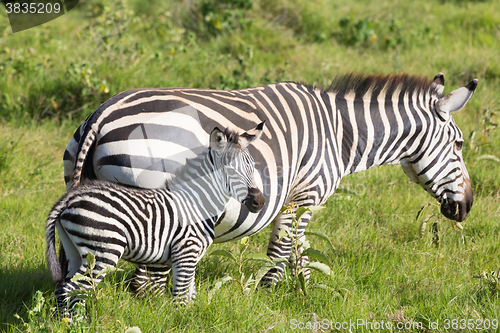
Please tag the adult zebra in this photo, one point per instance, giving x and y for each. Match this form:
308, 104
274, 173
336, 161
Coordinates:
314, 138
163, 228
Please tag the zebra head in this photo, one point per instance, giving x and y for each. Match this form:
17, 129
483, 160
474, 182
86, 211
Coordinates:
439, 168
230, 155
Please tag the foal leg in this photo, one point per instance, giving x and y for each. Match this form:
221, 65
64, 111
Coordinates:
66, 302
186, 254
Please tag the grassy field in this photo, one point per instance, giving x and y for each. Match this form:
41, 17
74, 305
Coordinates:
384, 267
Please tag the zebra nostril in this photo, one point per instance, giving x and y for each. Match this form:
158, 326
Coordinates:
255, 200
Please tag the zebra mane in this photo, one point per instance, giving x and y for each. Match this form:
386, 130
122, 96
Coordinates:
231, 136
360, 84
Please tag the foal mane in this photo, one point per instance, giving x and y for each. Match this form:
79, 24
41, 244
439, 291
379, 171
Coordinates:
193, 163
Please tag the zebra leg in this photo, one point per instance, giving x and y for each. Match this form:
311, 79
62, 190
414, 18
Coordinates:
150, 279
283, 248
183, 287
185, 256
64, 301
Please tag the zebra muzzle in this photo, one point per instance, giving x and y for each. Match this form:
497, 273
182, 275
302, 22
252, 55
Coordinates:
456, 210
255, 200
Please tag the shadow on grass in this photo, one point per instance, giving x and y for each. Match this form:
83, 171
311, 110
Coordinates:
18, 285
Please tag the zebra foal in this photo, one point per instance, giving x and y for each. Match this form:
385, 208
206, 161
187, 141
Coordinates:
168, 227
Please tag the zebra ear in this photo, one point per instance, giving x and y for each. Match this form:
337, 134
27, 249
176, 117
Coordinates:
250, 136
438, 84
218, 140
456, 100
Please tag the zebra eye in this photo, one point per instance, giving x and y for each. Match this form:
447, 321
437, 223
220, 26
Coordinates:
459, 144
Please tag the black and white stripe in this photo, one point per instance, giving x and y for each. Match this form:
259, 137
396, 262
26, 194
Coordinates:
313, 138
157, 229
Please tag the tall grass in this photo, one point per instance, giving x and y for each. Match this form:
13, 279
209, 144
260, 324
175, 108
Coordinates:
383, 266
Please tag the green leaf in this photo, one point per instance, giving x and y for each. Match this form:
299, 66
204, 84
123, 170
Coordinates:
79, 277
283, 209
327, 288
79, 293
313, 209
224, 253
302, 281
301, 211
320, 235
108, 270
277, 261
220, 282
316, 254
261, 272
133, 329
243, 244
247, 283
421, 210
39, 301
259, 257
423, 227
244, 240
91, 260
320, 267
284, 233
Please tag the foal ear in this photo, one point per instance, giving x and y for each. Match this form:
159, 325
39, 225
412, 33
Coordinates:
250, 136
218, 140
456, 100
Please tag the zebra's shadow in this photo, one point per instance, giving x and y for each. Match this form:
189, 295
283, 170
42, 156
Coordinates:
17, 287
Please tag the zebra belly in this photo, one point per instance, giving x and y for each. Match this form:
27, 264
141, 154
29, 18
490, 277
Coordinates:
163, 260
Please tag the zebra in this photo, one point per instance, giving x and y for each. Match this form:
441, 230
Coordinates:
167, 228
314, 138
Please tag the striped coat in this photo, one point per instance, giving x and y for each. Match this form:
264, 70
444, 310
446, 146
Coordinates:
313, 139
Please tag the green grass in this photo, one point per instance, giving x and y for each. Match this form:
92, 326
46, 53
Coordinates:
53, 76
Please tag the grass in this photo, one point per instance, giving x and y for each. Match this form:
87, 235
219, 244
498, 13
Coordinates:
383, 268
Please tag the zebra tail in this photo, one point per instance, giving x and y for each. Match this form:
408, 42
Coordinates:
50, 235
82, 156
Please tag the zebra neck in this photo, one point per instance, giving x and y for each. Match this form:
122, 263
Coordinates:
377, 131
200, 185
